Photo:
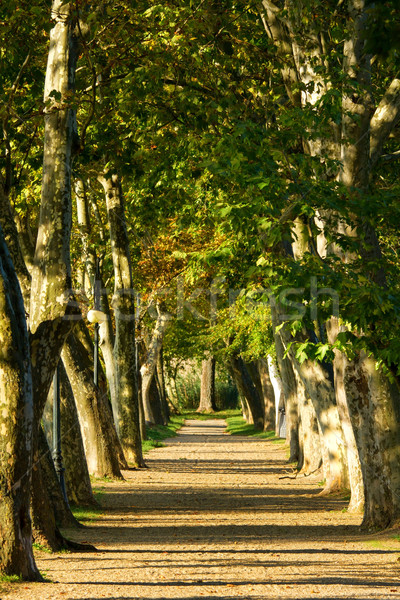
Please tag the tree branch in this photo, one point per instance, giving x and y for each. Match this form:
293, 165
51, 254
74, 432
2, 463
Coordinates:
275, 30
390, 157
384, 120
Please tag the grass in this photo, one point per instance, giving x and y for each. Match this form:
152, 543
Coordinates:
90, 513
10, 578
384, 540
158, 433
41, 548
221, 414
106, 479
18, 579
85, 513
237, 426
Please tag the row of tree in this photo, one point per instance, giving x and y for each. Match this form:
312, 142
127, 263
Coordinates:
229, 168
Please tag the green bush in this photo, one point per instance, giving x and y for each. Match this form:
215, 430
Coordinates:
188, 386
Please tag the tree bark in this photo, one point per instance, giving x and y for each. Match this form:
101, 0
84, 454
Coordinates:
247, 390
161, 386
48, 505
106, 344
149, 365
309, 436
16, 556
62, 512
155, 402
52, 306
276, 382
322, 394
290, 394
99, 436
207, 386
126, 407
83, 218
267, 394
77, 480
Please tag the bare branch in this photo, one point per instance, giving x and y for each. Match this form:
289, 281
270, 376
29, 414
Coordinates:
8, 174
390, 157
384, 120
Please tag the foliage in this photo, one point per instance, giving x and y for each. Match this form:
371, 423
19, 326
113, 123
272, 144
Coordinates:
188, 388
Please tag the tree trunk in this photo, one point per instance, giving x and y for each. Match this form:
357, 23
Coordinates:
16, 556
385, 474
276, 382
245, 409
106, 344
83, 334
142, 420
171, 392
256, 379
159, 373
126, 405
207, 387
320, 389
149, 365
45, 529
62, 512
155, 402
52, 306
99, 436
83, 218
309, 437
289, 385
247, 390
77, 480
267, 395
322, 394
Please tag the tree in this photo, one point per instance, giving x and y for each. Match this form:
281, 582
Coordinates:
126, 409
207, 387
16, 556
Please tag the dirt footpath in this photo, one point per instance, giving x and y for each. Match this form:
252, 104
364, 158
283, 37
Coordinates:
212, 518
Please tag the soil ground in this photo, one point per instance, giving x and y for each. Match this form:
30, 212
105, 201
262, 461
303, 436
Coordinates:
213, 518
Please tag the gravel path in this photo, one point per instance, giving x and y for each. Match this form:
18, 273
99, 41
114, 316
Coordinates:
212, 518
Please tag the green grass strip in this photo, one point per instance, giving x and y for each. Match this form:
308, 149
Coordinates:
158, 433
221, 414
237, 426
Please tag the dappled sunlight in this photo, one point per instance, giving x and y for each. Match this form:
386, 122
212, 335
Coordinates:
217, 516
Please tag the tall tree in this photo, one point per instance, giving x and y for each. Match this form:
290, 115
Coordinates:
126, 409
16, 555
207, 386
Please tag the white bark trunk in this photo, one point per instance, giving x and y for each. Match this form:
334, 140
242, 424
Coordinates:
278, 388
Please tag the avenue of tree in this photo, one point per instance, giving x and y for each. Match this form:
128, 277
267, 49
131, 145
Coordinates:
210, 182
